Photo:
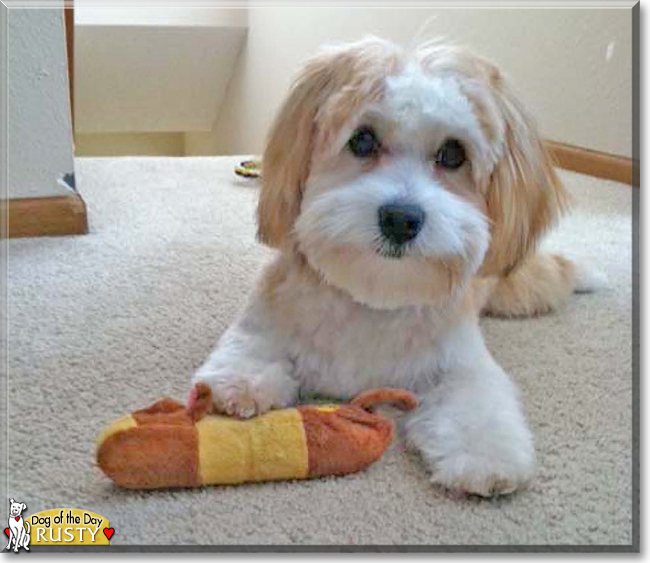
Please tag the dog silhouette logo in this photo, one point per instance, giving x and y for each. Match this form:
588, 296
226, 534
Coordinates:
18, 530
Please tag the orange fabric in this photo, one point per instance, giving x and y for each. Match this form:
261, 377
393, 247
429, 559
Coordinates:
161, 451
400, 398
200, 402
166, 411
152, 456
345, 440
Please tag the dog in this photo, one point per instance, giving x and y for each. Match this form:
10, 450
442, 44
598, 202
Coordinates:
18, 528
405, 193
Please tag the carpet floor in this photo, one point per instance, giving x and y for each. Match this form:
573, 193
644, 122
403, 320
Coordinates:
103, 324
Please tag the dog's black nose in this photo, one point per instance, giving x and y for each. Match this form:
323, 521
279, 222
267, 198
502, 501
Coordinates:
400, 223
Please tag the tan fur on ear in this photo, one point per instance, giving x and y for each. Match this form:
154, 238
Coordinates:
331, 87
286, 159
525, 196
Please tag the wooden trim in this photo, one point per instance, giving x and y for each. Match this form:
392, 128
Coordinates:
69, 40
44, 216
594, 163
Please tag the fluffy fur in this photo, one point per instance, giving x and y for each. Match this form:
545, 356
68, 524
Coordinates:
340, 311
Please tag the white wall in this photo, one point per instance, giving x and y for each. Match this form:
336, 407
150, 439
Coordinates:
153, 70
160, 16
120, 144
572, 66
39, 125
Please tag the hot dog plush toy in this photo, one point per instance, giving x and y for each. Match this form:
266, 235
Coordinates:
171, 445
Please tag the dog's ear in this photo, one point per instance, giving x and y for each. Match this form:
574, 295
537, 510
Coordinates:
24, 506
524, 196
11, 501
330, 87
285, 163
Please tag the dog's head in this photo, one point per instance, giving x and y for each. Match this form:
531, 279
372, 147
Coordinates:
398, 176
16, 508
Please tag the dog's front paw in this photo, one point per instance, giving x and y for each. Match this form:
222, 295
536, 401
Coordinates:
245, 396
493, 458
484, 475
239, 397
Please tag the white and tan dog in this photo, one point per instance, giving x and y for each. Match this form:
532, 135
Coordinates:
18, 528
405, 193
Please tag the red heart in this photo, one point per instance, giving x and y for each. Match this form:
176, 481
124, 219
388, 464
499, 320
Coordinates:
17, 518
108, 532
7, 531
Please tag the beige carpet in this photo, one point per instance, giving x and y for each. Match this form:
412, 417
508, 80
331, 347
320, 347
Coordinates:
103, 324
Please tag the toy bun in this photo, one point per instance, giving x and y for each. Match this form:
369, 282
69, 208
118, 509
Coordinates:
174, 445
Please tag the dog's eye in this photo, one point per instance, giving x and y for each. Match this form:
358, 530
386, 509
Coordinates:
364, 142
451, 154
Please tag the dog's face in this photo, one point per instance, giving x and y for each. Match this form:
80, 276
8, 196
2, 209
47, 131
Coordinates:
16, 508
398, 177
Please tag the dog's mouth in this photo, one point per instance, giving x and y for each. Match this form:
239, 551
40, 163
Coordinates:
390, 250
393, 253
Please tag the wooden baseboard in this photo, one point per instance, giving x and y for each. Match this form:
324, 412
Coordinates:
594, 163
43, 216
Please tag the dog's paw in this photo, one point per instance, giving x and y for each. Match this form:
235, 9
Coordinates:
483, 475
239, 397
245, 396
495, 457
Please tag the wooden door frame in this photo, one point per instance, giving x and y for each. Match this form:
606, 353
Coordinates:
69, 40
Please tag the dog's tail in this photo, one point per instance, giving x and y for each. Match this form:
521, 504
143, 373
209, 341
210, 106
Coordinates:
28, 528
541, 284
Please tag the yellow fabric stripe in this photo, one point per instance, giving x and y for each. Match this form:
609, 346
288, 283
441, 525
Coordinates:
123, 423
267, 447
328, 408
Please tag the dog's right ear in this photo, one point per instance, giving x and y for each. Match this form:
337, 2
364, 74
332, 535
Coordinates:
11, 501
285, 163
330, 87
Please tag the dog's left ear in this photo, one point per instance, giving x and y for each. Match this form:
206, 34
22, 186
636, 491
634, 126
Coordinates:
524, 196
24, 506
